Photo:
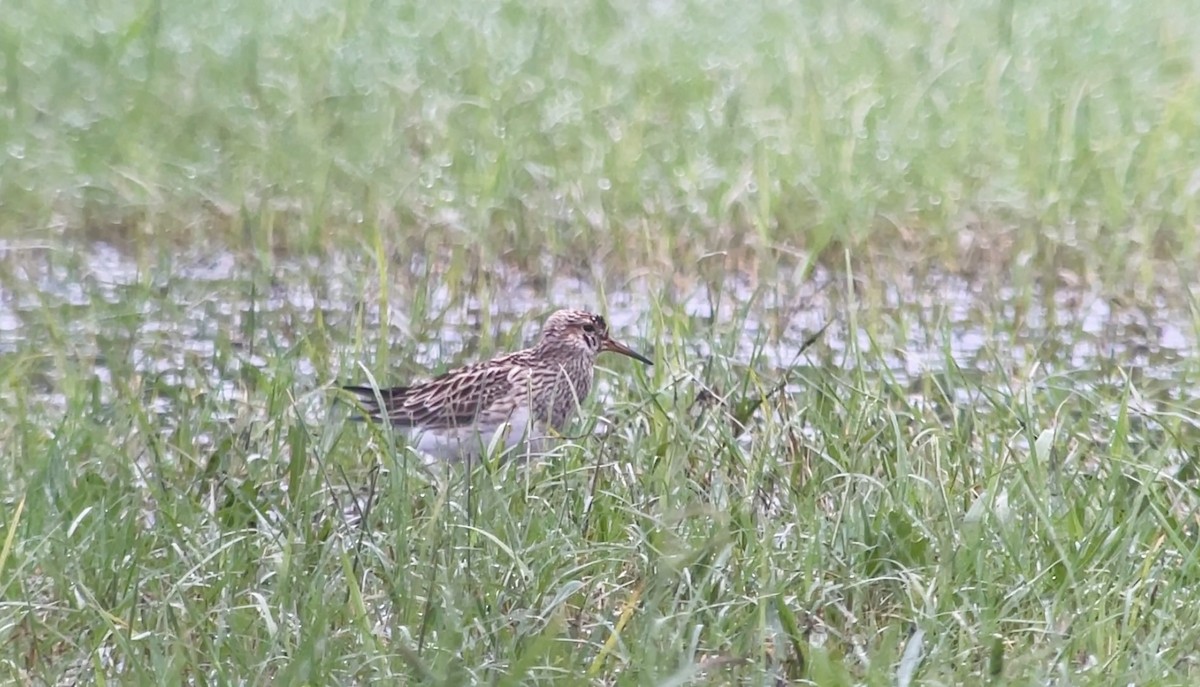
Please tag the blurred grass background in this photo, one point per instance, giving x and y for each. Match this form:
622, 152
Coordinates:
646, 132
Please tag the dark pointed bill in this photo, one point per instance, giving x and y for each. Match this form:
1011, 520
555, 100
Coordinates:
618, 347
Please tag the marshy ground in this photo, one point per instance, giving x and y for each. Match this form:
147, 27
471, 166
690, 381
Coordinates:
984, 468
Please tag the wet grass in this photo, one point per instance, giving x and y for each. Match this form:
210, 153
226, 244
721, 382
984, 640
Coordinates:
984, 471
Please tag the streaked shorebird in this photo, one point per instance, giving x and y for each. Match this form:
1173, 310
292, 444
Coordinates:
522, 395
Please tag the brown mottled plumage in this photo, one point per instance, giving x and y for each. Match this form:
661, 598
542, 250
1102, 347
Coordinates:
458, 413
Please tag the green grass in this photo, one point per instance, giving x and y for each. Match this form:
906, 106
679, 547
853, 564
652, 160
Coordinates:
984, 472
628, 129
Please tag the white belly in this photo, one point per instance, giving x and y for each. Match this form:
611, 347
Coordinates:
518, 436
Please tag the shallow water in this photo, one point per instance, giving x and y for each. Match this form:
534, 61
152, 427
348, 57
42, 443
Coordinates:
195, 320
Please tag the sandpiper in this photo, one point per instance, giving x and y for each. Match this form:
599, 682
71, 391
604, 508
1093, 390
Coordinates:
524, 394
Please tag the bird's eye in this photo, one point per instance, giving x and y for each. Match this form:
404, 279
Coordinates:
590, 329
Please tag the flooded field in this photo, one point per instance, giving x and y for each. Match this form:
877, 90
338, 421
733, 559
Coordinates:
195, 321
216, 374
918, 279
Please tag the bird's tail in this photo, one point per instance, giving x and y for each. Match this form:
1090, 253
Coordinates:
367, 399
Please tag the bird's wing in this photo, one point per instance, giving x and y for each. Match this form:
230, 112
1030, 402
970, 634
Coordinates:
455, 399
